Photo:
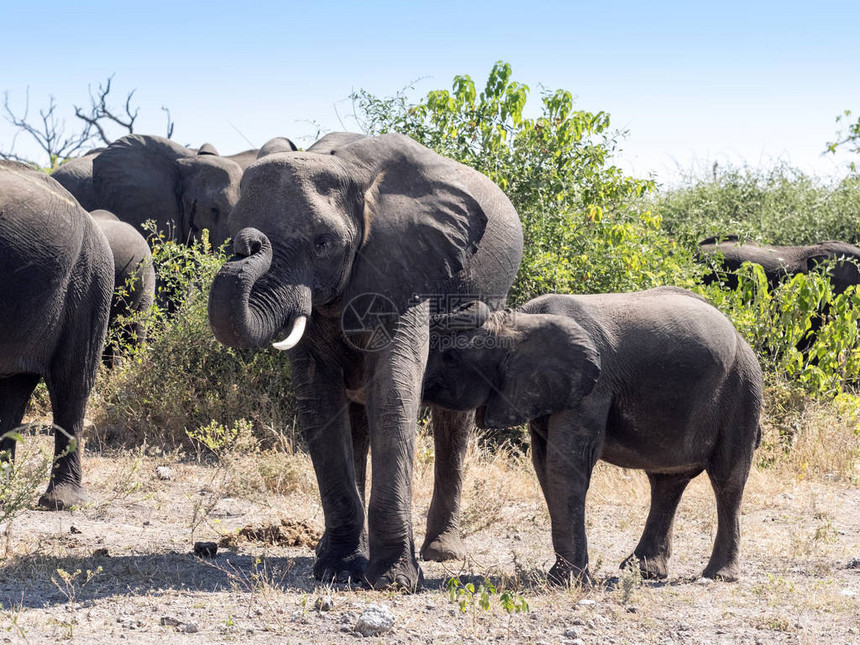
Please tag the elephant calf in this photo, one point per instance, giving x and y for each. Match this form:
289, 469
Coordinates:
657, 380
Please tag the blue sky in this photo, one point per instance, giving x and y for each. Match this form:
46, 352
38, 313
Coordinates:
692, 82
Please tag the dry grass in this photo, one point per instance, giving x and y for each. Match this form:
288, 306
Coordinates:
800, 529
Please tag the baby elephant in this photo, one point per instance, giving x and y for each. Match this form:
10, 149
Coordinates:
657, 380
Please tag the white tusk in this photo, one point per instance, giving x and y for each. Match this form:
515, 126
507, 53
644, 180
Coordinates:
295, 335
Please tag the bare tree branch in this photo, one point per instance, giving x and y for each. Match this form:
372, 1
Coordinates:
49, 132
170, 122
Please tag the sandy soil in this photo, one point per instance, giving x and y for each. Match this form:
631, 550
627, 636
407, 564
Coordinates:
122, 568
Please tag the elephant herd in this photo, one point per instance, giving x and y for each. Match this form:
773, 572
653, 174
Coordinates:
382, 269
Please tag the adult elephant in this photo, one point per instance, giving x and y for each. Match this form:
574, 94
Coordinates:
133, 283
76, 176
350, 253
725, 255
146, 177
247, 157
657, 380
56, 278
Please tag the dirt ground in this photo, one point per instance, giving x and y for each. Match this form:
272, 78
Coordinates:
122, 568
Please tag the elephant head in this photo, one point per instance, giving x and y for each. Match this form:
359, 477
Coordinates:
381, 215
141, 177
514, 368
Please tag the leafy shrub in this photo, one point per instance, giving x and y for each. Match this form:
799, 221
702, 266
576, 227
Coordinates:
183, 379
781, 205
801, 329
586, 226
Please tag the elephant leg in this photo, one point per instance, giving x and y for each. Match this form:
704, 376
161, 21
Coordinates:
450, 437
655, 545
728, 478
393, 393
360, 444
324, 416
15, 391
538, 430
69, 394
573, 443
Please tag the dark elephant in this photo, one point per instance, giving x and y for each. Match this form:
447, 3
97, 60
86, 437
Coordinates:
56, 278
134, 281
247, 157
272, 146
725, 255
657, 380
349, 254
144, 177
76, 176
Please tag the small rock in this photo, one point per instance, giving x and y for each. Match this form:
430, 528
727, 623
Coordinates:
703, 581
164, 473
74, 530
587, 601
324, 603
205, 549
170, 621
570, 632
632, 609
101, 553
853, 563
190, 628
375, 620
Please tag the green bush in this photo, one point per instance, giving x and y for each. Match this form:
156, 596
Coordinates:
781, 205
587, 227
801, 329
182, 379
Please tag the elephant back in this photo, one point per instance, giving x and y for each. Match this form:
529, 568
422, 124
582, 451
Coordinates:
137, 179
76, 176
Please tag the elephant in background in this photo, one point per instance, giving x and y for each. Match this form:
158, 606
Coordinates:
56, 279
348, 253
247, 157
76, 176
143, 177
657, 380
725, 255
134, 280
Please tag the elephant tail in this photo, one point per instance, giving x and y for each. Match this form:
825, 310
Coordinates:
758, 436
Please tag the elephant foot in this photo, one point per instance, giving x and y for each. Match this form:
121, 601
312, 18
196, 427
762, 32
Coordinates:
340, 561
651, 568
563, 574
447, 546
62, 496
402, 573
727, 573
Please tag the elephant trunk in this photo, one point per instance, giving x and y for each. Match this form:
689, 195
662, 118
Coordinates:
249, 304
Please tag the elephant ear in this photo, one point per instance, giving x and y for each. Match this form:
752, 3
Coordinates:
552, 364
421, 220
137, 179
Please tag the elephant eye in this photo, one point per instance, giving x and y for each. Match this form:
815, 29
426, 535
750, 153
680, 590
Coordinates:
322, 243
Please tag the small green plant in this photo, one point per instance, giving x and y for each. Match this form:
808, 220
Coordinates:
21, 479
629, 581
218, 438
467, 595
71, 584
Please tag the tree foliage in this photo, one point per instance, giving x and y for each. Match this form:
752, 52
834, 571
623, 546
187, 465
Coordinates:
586, 227
849, 137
